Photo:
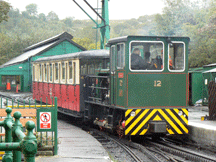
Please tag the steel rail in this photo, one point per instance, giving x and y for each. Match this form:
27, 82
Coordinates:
122, 145
126, 148
145, 151
191, 155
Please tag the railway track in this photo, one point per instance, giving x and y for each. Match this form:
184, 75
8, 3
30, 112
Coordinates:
105, 139
137, 152
176, 153
159, 151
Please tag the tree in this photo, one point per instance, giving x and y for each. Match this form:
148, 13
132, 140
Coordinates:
52, 16
203, 36
42, 17
175, 14
68, 21
32, 9
4, 9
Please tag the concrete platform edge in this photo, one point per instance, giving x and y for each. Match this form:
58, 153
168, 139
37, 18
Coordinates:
202, 136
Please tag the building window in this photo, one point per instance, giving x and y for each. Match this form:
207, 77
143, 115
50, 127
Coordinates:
12, 79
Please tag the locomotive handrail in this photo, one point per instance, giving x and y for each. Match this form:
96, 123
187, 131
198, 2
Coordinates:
96, 76
98, 87
22, 143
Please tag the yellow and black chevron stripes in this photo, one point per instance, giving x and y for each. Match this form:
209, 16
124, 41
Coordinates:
137, 124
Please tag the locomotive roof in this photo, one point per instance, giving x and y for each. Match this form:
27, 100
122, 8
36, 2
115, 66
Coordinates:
81, 55
125, 38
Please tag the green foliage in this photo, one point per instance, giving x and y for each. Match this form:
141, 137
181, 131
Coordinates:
4, 9
203, 36
31, 9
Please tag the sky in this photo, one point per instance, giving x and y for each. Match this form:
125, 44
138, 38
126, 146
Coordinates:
118, 9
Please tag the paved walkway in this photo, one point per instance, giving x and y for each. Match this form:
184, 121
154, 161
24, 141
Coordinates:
76, 145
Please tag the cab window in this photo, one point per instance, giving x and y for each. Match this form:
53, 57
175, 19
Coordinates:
120, 56
176, 56
146, 56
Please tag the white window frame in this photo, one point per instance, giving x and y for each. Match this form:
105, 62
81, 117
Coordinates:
130, 52
123, 66
173, 60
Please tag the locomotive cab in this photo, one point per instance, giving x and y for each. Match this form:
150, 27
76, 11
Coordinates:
149, 80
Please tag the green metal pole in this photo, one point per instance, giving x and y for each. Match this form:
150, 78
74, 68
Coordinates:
29, 143
17, 127
8, 135
56, 128
9, 146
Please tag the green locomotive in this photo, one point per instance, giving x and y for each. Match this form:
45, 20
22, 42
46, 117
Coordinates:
145, 90
139, 87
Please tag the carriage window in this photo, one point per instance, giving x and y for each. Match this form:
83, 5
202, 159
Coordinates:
51, 73
176, 56
63, 71
70, 72
45, 72
33, 73
112, 51
84, 69
146, 55
41, 72
56, 72
120, 56
74, 72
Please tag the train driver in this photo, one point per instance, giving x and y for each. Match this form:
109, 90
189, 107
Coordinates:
137, 62
170, 61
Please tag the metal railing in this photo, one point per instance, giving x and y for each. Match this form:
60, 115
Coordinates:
46, 138
27, 144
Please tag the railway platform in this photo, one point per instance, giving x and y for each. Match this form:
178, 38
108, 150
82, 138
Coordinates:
76, 145
202, 132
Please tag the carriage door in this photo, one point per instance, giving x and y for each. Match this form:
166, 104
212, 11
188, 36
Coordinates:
113, 74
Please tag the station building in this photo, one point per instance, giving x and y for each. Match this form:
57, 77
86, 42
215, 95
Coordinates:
17, 73
199, 80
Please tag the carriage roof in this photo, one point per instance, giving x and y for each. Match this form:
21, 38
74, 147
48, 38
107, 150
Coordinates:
78, 55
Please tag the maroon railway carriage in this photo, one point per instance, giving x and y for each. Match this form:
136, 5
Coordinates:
62, 76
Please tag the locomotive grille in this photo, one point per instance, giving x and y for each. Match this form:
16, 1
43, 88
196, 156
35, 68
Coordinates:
138, 123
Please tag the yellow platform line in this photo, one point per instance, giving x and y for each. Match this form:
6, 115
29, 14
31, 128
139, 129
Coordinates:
26, 106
